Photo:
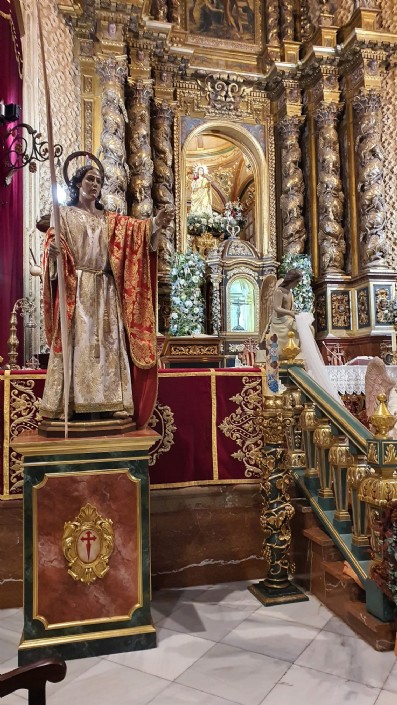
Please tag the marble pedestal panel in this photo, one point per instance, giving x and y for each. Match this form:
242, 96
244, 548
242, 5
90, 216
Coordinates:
94, 600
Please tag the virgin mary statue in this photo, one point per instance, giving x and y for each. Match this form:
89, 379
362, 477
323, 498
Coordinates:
201, 198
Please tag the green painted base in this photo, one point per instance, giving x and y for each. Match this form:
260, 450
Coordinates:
362, 553
277, 596
85, 648
378, 604
327, 503
342, 527
312, 484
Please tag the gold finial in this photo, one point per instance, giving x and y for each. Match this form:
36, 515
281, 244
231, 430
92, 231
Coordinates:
382, 419
291, 350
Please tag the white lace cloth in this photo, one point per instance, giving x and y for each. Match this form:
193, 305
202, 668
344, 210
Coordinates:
350, 379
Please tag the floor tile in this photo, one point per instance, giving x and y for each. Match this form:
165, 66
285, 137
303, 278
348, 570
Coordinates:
175, 652
386, 698
177, 694
348, 658
336, 626
391, 683
9, 641
167, 601
271, 637
234, 674
13, 621
12, 699
109, 684
232, 595
209, 621
311, 613
304, 686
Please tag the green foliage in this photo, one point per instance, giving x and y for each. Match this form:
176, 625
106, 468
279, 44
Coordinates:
187, 308
303, 293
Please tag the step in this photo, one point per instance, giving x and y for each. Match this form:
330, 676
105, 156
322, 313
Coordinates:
380, 635
339, 588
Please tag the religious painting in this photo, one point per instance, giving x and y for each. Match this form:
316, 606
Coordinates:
230, 20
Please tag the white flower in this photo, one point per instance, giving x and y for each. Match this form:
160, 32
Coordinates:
174, 315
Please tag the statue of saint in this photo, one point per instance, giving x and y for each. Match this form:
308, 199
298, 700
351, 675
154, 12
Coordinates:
109, 305
277, 316
201, 197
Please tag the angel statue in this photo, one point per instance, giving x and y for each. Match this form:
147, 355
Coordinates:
277, 315
278, 318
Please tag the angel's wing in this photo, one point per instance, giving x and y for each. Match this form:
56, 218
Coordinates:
377, 382
266, 304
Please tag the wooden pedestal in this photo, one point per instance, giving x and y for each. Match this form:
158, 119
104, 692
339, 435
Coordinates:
86, 546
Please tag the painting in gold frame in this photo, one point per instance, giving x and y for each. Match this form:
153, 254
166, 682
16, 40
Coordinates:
228, 20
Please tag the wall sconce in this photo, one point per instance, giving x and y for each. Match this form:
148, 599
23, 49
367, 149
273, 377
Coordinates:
22, 145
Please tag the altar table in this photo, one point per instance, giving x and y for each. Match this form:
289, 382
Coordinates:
207, 420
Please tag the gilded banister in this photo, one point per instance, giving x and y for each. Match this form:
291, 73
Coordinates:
357, 471
308, 420
323, 439
340, 460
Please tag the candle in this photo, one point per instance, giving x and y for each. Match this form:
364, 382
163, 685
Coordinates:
393, 341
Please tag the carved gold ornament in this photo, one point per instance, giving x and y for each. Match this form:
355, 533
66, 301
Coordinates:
243, 426
87, 544
162, 421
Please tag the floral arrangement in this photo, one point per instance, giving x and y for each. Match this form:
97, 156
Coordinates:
303, 293
198, 224
187, 308
233, 213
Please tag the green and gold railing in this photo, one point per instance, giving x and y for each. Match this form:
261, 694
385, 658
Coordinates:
347, 473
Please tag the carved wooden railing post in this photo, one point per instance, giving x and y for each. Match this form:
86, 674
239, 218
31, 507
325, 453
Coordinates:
309, 421
277, 510
323, 439
292, 409
357, 471
139, 151
292, 186
340, 460
376, 491
112, 71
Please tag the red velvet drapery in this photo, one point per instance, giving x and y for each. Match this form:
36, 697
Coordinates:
11, 222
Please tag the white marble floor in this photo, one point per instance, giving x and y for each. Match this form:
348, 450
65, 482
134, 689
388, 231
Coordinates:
218, 646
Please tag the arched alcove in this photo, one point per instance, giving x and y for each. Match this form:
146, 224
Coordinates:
253, 151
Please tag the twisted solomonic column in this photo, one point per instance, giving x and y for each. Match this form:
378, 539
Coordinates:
371, 188
139, 151
273, 22
291, 201
331, 236
163, 175
112, 71
287, 19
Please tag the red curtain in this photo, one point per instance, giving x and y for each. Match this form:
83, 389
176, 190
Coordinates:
11, 222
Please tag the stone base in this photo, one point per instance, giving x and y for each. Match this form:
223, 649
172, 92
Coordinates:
269, 596
11, 554
85, 647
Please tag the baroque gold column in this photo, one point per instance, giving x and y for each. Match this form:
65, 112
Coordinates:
292, 186
138, 146
112, 71
272, 22
163, 176
277, 510
287, 19
371, 189
331, 236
